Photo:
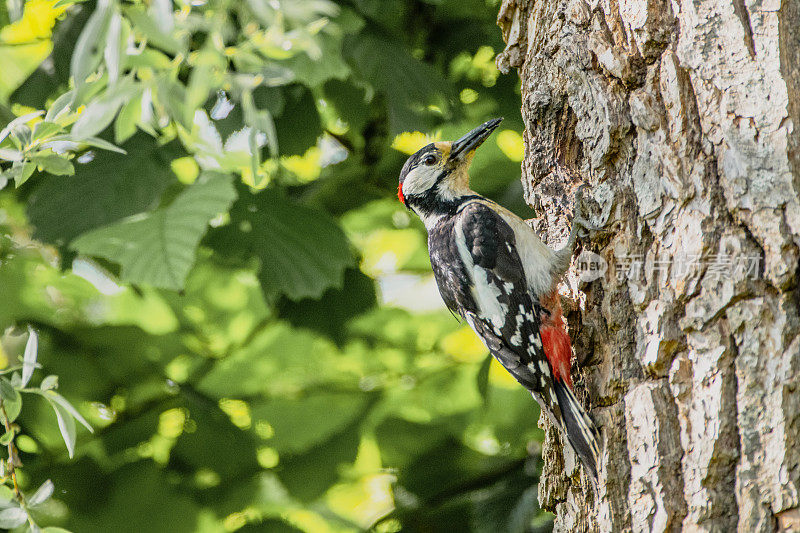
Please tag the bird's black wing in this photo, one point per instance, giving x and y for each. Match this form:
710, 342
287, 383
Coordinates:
503, 311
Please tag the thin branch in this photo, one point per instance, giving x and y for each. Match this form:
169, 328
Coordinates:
12, 457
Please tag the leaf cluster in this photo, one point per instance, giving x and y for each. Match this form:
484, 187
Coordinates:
196, 215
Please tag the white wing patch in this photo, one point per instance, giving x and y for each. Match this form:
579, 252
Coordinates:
486, 294
516, 339
543, 367
534, 339
487, 297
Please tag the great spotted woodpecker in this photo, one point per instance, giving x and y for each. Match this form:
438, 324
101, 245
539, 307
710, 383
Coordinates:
493, 270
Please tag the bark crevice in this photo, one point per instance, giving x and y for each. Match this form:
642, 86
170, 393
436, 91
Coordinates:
681, 116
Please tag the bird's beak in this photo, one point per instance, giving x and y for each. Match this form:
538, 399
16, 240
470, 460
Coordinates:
469, 142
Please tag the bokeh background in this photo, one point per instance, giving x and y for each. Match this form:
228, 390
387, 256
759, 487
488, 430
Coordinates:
238, 304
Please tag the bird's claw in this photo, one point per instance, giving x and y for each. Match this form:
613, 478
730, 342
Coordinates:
579, 225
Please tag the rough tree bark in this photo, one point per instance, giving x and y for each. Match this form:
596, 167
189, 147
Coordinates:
680, 116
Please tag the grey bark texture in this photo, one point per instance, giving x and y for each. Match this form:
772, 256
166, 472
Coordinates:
683, 118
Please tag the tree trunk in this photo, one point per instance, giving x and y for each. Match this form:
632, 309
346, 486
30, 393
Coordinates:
679, 115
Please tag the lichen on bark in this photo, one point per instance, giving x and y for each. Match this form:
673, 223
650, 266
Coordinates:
681, 116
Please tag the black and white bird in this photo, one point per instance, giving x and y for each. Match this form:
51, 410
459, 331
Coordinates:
493, 270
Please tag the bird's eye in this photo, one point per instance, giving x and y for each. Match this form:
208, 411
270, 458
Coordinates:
430, 160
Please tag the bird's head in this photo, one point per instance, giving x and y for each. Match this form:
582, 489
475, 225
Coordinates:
435, 176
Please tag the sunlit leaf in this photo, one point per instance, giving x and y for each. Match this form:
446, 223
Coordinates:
56, 398
29, 357
45, 129
155, 27
25, 43
42, 494
12, 517
512, 145
116, 42
89, 47
66, 425
54, 164
101, 111
49, 382
410, 142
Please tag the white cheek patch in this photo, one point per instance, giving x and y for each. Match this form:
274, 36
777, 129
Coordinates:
420, 180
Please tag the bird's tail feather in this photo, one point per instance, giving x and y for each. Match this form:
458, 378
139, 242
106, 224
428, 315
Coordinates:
580, 430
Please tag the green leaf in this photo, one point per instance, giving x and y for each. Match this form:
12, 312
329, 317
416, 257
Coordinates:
349, 100
62, 402
125, 125
23, 172
309, 475
330, 314
299, 125
7, 437
18, 61
12, 401
56, 108
54, 164
42, 494
49, 383
313, 72
209, 443
302, 251
102, 110
18, 122
147, 24
279, 358
408, 85
9, 154
260, 120
57, 207
137, 497
12, 517
97, 142
158, 248
29, 358
172, 95
116, 42
66, 425
89, 47
44, 129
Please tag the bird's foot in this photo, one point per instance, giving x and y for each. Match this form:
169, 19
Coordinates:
580, 228
580, 225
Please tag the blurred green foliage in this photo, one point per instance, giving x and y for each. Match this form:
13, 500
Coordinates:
197, 216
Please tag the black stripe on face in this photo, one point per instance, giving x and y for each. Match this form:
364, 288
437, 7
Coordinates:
432, 204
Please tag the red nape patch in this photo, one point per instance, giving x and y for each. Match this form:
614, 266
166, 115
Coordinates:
400, 193
558, 350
